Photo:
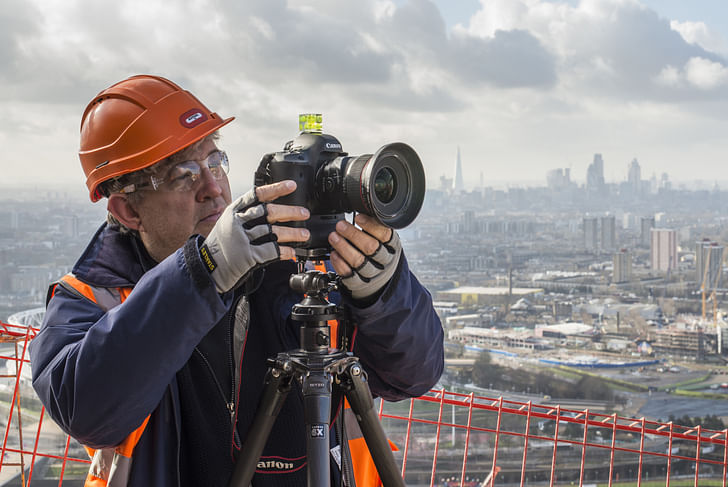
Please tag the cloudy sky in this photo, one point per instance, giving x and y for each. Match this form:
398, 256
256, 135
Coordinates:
521, 86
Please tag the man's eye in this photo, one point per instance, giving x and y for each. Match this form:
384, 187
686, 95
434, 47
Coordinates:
180, 173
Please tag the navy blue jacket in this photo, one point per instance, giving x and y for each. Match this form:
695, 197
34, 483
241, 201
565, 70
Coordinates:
99, 374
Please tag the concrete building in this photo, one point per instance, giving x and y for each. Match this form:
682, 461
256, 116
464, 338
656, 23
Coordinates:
663, 249
622, 267
474, 295
647, 223
591, 235
486, 338
709, 264
696, 343
608, 232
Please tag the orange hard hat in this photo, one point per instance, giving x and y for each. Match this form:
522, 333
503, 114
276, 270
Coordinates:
136, 123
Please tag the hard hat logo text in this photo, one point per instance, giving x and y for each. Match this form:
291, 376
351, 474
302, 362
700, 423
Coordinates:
192, 118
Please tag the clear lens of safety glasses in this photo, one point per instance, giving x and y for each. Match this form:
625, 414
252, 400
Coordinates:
182, 176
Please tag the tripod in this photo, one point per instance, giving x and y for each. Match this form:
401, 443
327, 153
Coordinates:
318, 369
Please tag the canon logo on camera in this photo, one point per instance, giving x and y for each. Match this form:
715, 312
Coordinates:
331, 145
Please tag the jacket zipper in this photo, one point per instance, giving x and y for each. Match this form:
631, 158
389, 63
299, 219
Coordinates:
230, 405
231, 362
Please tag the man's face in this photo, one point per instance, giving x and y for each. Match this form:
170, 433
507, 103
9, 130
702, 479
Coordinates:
169, 218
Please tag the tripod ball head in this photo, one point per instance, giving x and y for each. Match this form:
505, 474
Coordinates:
312, 282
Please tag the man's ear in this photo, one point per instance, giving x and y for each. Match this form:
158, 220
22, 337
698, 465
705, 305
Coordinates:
121, 208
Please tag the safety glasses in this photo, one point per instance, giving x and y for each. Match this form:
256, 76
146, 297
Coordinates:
183, 176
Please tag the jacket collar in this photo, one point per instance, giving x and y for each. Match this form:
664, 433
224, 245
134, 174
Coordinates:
113, 259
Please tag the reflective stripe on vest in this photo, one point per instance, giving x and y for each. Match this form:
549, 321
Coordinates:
110, 467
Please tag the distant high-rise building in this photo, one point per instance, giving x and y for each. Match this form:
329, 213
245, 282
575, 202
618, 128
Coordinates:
458, 184
709, 264
591, 235
595, 175
557, 179
622, 266
468, 222
665, 181
445, 183
663, 249
609, 235
634, 177
647, 223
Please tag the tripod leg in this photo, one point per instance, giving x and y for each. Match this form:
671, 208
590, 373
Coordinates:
277, 387
317, 409
357, 393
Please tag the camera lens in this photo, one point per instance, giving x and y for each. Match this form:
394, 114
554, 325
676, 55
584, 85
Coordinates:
389, 185
385, 186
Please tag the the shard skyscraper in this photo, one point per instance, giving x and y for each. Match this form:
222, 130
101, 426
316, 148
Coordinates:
457, 182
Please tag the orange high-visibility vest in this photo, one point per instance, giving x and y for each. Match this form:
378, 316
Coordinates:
110, 467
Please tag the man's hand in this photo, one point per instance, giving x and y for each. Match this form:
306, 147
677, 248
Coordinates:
245, 237
367, 258
283, 213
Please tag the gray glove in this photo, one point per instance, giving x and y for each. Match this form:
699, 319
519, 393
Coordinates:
376, 271
241, 241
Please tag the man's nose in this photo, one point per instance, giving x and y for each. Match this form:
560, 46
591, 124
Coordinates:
210, 187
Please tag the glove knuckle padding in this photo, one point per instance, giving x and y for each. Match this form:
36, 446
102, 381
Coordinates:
368, 269
376, 271
232, 245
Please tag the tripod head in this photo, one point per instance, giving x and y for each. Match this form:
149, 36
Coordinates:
314, 282
315, 311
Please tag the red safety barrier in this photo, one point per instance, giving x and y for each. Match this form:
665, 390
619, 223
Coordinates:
444, 439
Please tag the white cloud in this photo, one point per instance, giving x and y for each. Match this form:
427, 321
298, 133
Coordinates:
700, 34
700, 73
616, 48
705, 74
669, 76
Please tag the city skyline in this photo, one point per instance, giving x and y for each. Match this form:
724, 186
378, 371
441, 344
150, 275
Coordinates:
521, 86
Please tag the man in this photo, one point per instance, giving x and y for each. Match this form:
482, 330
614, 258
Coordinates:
152, 353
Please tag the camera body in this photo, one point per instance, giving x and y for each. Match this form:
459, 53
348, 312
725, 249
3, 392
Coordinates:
388, 185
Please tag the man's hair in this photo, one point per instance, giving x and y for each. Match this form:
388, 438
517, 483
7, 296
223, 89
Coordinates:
115, 185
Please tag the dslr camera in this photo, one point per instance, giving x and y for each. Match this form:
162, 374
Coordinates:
388, 185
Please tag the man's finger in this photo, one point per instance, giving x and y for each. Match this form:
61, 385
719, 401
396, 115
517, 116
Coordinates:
349, 254
340, 265
286, 213
367, 244
289, 234
370, 225
269, 192
287, 253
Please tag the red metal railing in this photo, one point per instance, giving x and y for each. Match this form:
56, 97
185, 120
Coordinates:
444, 438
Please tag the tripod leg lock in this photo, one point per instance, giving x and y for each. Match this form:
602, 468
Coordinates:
356, 388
